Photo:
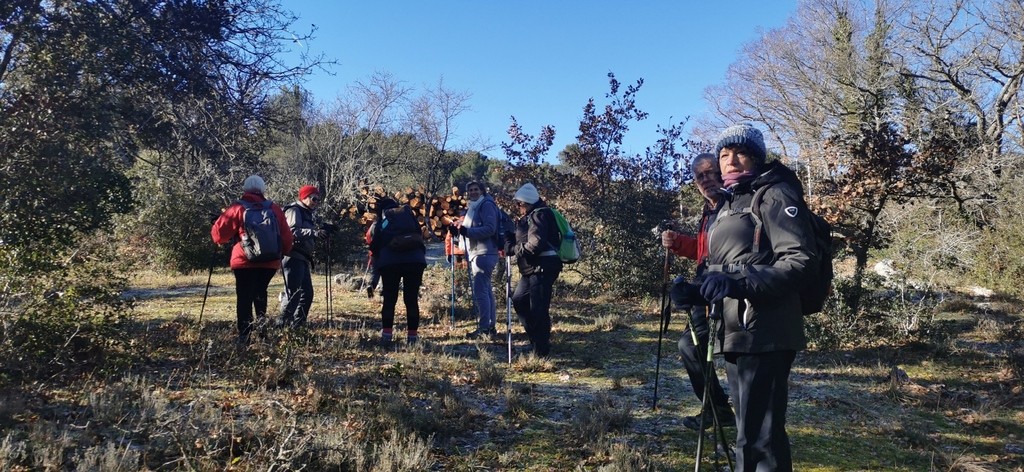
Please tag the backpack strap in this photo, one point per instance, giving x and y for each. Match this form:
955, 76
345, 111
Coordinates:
558, 230
554, 221
264, 205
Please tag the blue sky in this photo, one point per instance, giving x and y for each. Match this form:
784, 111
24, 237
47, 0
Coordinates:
539, 60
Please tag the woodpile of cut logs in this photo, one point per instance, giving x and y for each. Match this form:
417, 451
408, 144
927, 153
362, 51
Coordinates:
434, 213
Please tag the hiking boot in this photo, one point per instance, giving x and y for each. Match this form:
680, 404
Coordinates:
478, 333
386, 338
242, 342
724, 416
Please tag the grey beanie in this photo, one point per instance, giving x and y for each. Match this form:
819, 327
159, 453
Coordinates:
743, 134
254, 184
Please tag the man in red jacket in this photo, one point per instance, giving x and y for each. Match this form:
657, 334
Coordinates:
693, 345
252, 277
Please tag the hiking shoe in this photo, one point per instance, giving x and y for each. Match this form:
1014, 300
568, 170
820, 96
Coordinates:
725, 417
386, 338
412, 339
477, 333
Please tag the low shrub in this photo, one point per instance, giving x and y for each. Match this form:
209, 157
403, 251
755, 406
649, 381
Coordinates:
66, 317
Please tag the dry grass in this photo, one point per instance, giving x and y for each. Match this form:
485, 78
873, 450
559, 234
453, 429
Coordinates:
331, 398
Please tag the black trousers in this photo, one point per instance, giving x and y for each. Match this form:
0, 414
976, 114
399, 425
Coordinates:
298, 291
695, 359
251, 294
410, 276
759, 384
532, 301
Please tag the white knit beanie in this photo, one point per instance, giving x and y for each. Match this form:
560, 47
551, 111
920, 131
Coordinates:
254, 184
743, 134
527, 194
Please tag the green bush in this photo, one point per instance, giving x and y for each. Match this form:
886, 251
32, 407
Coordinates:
170, 228
885, 314
836, 324
64, 319
999, 257
621, 255
347, 246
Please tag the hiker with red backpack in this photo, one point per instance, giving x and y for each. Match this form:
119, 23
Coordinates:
763, 250
534, 244
401, 257
261, 231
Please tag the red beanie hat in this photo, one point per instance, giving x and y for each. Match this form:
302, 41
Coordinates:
307, 190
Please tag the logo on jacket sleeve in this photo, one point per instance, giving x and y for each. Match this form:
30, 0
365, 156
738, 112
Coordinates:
791, 211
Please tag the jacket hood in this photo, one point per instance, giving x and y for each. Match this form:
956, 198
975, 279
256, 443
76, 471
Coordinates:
776, 172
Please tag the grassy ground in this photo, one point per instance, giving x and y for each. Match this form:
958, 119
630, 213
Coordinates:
331, 398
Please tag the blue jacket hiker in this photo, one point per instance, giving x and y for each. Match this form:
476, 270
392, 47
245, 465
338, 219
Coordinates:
478, 236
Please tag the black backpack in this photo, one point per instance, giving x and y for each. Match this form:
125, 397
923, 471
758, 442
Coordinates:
261, 241
400, 230
818, 285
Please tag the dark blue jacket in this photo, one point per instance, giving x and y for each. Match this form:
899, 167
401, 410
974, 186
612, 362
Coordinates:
393, 222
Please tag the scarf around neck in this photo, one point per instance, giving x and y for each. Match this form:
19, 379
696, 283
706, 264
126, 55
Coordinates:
467, 221
734, 178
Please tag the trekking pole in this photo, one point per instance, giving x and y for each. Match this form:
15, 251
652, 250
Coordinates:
472, 290
704, 399
508, 304
718, 431
666, 310
362, 282
327, 277
713, 326
453, 290
206, 293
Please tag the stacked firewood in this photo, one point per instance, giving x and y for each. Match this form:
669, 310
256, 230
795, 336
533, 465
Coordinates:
445, 209
434, 213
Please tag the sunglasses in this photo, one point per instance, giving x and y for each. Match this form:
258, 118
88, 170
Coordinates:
316, 199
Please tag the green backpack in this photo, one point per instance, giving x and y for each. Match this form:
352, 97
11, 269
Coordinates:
569, 247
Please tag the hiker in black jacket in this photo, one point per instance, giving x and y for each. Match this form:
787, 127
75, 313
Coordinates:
296, 266
399, 266
755, 272
534, 245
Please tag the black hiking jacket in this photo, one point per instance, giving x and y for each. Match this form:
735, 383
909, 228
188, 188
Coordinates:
771, 318
537, 239
303, 227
